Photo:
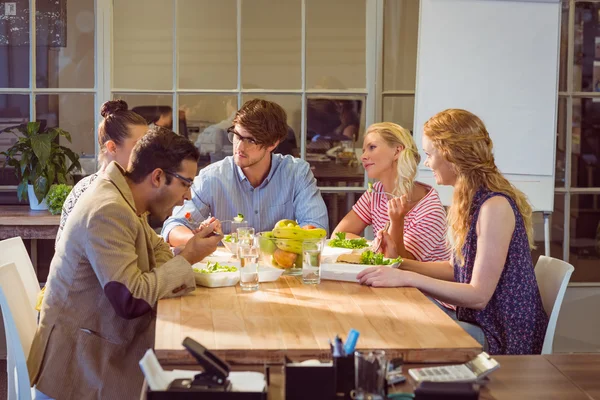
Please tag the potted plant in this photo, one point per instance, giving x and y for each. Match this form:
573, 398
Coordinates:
39, 161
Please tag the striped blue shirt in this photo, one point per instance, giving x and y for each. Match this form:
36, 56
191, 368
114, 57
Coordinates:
222, 190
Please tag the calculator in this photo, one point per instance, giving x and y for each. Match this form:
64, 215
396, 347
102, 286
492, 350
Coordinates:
472, 371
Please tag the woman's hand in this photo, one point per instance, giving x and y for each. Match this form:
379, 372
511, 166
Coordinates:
386, 245
383, 277
398, 207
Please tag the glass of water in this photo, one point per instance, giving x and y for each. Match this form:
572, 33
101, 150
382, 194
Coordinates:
370, 368
311, 260
248, 252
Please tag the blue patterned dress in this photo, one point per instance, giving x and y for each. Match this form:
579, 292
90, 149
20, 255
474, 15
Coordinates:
514, 320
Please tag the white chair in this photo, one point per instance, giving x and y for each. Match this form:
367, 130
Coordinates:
552, 277
20, 327
13, 250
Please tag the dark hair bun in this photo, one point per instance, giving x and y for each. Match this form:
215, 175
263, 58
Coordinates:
111, 107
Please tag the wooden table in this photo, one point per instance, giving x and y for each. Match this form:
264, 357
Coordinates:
582, 369
23, 221
286, 317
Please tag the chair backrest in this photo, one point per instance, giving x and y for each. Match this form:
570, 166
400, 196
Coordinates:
20, 327
13, 250
552, 276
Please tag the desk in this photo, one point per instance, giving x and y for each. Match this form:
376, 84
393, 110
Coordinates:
562, 376
582, 369
29, 224
286, 317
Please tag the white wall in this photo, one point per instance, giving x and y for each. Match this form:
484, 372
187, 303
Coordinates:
578, 328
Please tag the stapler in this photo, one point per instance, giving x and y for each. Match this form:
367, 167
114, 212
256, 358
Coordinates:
214, 378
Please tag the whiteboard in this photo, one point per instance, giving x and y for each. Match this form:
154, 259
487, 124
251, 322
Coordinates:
498, 59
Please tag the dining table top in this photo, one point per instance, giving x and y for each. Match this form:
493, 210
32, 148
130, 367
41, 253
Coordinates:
289, 318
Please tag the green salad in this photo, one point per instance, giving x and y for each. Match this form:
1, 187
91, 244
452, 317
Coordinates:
239, 218
229, 239
212, 267
341, 241
370, 258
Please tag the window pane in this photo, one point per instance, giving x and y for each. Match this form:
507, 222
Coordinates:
586, 143
271, 44
556, 231
335, 127
65, 46
401, 22
291, 104
584, 250
335, 44
586, 72
561, 143
72, 112
400, 110
207, 44
207, 119
564, 43
143, 44
155, 109
14, 47
14, 110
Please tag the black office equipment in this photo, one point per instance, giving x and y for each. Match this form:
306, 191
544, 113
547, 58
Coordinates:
446, 391
210, 384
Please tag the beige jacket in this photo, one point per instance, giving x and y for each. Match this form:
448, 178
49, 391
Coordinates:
98, 314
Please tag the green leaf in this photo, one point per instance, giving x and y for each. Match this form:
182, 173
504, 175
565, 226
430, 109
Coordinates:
63, 133
40, 187
50, 173
61, 178
32, 128
22, 190
41, 145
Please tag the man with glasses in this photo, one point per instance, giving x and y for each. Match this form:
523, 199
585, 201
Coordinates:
263, 186
110, 269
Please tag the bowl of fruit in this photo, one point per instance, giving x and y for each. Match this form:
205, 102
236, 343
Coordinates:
282, 247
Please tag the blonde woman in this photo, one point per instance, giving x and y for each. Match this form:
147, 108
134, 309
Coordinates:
417, 219
491, 277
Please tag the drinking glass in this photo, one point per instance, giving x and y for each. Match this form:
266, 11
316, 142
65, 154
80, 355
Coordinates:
248, 252
311, 261
370, 368
245, 232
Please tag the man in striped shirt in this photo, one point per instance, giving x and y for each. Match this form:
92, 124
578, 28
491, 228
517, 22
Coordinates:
262, 186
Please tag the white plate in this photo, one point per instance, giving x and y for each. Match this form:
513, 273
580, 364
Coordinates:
342, 271
268, 274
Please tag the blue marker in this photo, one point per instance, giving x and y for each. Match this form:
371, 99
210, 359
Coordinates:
351, 342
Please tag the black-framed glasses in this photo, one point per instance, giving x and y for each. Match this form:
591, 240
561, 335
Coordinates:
233, 135
183, 178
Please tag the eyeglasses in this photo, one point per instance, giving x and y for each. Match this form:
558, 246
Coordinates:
233, 136
183, 178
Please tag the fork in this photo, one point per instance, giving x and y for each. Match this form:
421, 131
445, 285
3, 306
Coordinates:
385, 228
386, 193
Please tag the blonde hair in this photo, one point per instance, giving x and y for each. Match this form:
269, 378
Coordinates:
463, 140
406, 168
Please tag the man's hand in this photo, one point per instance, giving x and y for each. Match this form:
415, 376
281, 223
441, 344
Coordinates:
207, 222
201, 245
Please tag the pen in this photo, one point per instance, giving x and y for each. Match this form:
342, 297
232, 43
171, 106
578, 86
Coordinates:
338, 350
351, 341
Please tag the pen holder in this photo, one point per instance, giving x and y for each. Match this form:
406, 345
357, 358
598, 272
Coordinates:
344, 376
314, 382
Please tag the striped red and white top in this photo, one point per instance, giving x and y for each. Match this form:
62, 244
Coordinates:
425, 224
